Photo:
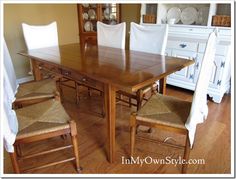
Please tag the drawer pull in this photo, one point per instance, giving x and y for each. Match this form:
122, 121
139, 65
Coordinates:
66, 73
84, 79
182, 45
197, 65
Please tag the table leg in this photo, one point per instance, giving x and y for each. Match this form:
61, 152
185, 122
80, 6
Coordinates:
36, 71
162, 88
110, 110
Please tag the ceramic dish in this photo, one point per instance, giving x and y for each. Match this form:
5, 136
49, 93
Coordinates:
91, 14
85, 16
106, 13
173, 13
203, 15
88, 26
85, 5
189, 15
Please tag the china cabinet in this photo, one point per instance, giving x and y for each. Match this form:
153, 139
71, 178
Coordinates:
89, 14
187, 39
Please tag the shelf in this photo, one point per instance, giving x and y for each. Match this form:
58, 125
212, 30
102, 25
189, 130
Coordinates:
88, 36
205, 11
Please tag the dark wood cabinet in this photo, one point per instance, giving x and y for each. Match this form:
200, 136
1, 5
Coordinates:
89, 14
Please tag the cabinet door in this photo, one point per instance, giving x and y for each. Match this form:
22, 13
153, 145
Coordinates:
216, 70
110, 13
186, 74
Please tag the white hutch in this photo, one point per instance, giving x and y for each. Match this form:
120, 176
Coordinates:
189, 41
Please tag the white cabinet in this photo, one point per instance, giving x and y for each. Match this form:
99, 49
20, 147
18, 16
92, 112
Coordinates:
186, 75
190, 42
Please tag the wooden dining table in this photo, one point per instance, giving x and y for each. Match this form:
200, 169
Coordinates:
107, 69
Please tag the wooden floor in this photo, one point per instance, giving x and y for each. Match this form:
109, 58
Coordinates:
212, 142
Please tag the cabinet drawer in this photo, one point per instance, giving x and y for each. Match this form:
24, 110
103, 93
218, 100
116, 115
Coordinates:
84, 80
220, 49
50, 67
182, 45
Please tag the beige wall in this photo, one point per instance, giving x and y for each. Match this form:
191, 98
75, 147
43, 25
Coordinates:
130, 13
36, 14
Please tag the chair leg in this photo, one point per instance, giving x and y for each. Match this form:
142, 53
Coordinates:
75, 145
186, 154
77, 93
139, 99
130, 100
14, 162
103, 105
89, 92
18, 150
60, 88
132, 133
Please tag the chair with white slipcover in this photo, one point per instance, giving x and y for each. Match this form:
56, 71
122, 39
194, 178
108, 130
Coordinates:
27, 93
175, 115
42, 36
149, 38
111, 35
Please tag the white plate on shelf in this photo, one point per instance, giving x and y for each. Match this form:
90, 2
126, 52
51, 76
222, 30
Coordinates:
173, 13
88, 26
106, 13
85, 16
189, 15
85, 5
203, 15
91, 14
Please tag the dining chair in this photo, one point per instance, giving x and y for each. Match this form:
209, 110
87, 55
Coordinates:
36, 122
27, 93
150, 38
39, 122
111, 35
42, 36
176, 115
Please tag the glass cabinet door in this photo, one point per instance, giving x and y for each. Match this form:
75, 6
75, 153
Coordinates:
89, 17
110, 13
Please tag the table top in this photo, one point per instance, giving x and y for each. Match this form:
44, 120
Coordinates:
125, 69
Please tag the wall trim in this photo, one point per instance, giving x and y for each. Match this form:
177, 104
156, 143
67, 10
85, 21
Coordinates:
25, 79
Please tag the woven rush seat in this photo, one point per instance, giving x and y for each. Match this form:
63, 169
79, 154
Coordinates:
41, 118
37, 89
165, 110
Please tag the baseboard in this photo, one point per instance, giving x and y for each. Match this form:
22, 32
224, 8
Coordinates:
25, 79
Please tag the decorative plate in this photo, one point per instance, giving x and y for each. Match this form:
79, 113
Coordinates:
88, 26
85, 5
85, 16
106, 13
174, 13
189, 15
92, 14
203, 15
112, 16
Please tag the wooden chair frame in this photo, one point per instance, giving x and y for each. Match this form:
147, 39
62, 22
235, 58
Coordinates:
133, 125
72, 130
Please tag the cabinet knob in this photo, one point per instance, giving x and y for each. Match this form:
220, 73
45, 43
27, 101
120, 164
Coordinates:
182, 45
197, 65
